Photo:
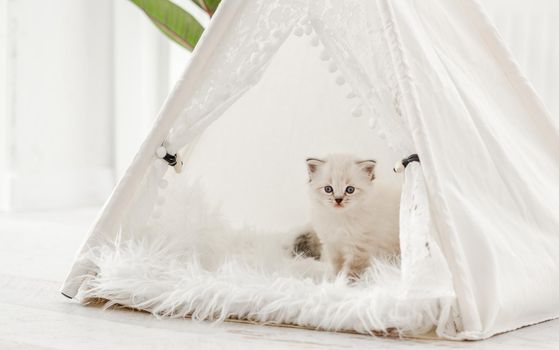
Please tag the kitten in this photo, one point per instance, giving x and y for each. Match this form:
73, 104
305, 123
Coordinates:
354, 215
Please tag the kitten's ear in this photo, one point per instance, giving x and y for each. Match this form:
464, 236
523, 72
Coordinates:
312, 166
368, 166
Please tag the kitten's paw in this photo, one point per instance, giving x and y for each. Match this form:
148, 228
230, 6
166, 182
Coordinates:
307, 245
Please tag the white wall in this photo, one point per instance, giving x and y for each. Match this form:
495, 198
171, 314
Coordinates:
5, 137
59, 102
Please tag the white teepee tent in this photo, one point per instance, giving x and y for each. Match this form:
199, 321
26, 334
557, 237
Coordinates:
274, 81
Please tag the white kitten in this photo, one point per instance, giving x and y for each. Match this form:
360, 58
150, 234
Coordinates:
354, 214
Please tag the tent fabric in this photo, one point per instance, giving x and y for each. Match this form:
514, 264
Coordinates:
431, 78
483, 145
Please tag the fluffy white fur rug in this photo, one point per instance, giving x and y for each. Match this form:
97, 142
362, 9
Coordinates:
264, 285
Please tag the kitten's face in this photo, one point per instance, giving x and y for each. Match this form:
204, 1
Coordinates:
340, 182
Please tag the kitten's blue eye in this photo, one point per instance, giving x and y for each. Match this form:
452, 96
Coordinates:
328, 189
349, 189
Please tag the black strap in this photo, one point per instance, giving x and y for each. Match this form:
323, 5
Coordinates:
408, 160
171, 159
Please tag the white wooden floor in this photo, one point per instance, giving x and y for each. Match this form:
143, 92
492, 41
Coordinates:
36, 249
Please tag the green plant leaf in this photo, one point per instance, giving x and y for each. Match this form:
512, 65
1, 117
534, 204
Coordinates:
200, 4
208, 5
173, 21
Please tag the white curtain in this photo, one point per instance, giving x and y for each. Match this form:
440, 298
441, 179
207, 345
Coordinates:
82, 81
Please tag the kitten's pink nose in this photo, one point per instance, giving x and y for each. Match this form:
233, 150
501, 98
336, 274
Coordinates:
338, 200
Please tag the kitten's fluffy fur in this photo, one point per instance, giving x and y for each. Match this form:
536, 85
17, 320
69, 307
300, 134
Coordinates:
352, 225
